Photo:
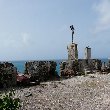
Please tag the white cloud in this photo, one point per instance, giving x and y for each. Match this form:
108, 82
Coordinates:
25, 38
15, 41
15, 45
103, 10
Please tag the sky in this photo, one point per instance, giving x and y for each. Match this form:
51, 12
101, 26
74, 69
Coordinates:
40, 29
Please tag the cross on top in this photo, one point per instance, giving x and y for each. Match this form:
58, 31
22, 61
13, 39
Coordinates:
72, 28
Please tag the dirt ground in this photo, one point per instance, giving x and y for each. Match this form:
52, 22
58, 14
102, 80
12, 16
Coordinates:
90, 92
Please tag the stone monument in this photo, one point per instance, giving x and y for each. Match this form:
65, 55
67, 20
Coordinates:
72, 48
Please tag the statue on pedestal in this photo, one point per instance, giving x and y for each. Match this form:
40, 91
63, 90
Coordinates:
72, 28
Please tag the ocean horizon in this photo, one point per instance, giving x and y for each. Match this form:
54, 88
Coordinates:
20, 65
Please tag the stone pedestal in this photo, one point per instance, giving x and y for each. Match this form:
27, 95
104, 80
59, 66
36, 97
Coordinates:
72, 52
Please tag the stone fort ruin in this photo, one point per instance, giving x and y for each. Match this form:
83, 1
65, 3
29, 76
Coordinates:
75, 66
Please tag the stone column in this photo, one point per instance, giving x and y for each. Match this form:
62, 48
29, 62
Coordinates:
87, 53
72, 54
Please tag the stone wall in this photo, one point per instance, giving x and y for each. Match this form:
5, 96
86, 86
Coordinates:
106, 67
8, 74
91, 64
69, 68
41, 70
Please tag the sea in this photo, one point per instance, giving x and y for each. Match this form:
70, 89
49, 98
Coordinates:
21, 64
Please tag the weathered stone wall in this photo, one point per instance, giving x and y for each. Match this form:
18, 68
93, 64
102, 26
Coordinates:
106, 67
40, 70
91, 64
8, 74
68, 68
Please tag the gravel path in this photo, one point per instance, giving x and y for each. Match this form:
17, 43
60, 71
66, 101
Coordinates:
91, 92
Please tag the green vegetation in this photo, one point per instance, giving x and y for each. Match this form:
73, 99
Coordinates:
8, 102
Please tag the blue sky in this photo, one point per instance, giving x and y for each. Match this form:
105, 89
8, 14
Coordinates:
39, 29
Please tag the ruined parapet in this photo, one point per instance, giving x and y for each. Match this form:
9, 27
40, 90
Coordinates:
105, 68
82, 66
89, 65
8, 74
97, 64
68, 68
40, 70
52, 68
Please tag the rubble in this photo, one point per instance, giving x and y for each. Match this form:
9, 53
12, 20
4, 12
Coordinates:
23, 80
77, 93
27, 94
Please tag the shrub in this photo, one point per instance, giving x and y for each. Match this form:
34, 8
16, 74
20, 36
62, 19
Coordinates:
8, 102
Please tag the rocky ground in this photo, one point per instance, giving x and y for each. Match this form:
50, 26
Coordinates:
90, 92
